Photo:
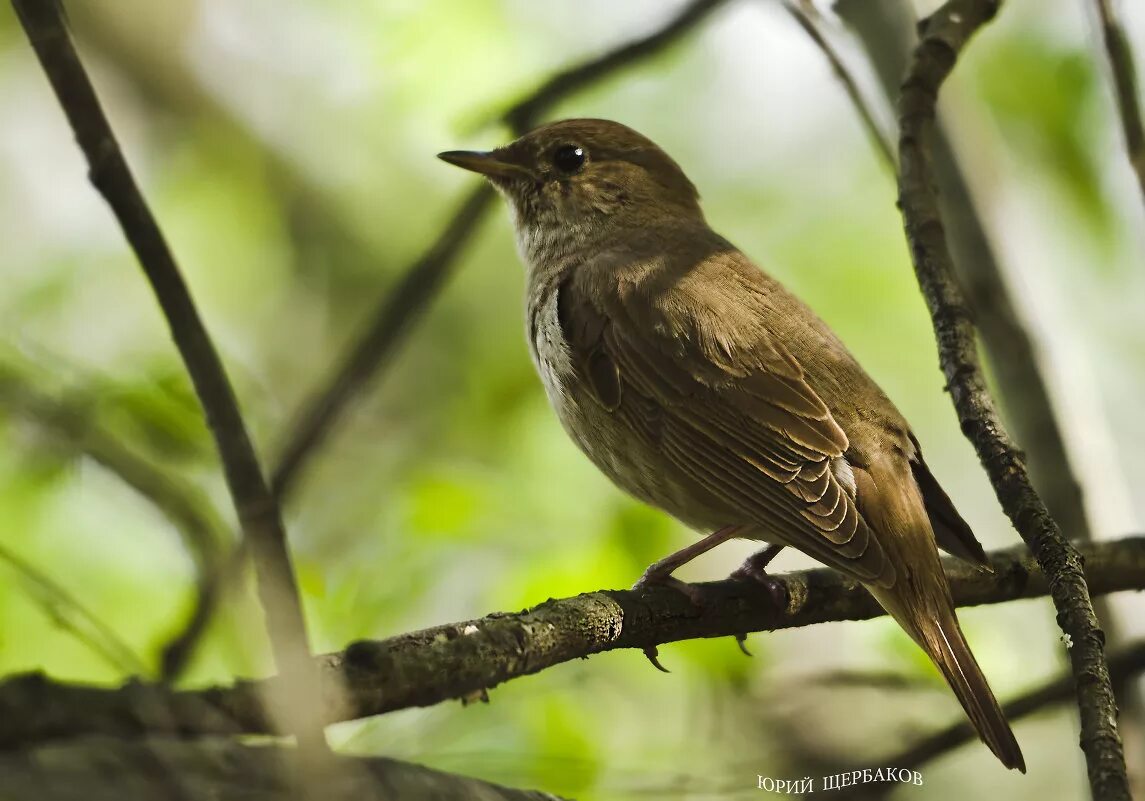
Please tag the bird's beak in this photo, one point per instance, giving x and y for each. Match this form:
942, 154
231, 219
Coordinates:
485, 163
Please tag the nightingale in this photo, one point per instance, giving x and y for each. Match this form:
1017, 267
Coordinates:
700, 385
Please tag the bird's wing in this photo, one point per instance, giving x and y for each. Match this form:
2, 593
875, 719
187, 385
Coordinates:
690, 368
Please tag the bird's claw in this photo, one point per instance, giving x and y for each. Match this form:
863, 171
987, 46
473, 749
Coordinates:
654, 657
651, 578
741, 641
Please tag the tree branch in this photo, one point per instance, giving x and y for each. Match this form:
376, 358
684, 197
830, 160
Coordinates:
108, 769
388, 326
943, 37
524, 113
426, 276
886, 30
810, 20
1125, 87
257, 510
458, 660
1123, 667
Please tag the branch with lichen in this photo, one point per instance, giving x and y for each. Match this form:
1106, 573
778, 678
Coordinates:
466, 659
942, 38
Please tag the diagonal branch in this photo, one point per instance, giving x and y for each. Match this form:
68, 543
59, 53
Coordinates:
943, 37
1123, 667
811, 21
257, 510
391, 321
462, 659
1125, 87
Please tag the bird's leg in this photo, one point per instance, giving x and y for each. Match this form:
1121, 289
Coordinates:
755, 566
661, 572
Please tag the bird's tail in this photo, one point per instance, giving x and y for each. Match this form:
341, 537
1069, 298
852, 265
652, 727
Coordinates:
941, 637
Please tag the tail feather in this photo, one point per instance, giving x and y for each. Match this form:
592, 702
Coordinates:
942, 638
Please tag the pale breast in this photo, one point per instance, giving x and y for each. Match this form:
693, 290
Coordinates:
631, 463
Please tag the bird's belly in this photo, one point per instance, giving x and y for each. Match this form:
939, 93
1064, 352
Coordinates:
632, 463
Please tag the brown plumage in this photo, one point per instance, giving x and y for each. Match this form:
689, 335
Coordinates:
703, 387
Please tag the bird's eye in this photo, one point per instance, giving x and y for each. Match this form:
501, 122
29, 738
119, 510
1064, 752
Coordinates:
569, 158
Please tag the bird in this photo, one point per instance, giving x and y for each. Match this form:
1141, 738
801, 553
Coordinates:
700, 385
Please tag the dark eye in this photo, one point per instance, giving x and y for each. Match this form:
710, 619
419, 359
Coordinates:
569, 158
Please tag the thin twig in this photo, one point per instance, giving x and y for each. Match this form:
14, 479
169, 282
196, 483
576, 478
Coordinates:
377, 344
461, 659
64, 608
421, 281
1125, 87
524, 113
810, 20
257, 509
943, 37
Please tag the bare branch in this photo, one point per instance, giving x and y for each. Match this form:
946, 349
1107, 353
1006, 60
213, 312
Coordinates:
168, 769
458, 660
425, 277
943, 37
1123, 667
257, 509
524, 114
1125, 87
810, 20
886, 29
377, 344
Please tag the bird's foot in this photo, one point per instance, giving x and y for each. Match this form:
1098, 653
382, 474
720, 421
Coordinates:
654, 575
754, 568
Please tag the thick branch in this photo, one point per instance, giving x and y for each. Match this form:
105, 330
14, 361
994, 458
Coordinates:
426, 276
109, 769
257, 510
943, 37
458, 660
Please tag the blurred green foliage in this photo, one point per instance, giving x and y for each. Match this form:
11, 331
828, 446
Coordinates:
287, 149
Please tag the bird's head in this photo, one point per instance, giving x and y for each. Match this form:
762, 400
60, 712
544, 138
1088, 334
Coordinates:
583, 184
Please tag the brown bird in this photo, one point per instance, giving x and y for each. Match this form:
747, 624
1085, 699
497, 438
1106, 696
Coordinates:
700, 385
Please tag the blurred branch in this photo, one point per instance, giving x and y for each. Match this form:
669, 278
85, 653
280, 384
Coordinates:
64, 608
943, 37
180, 501
811, 21
1125, 87
523, 114
463, 659
107, 769
257, 509
1124, 665
389, 323
425, 277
